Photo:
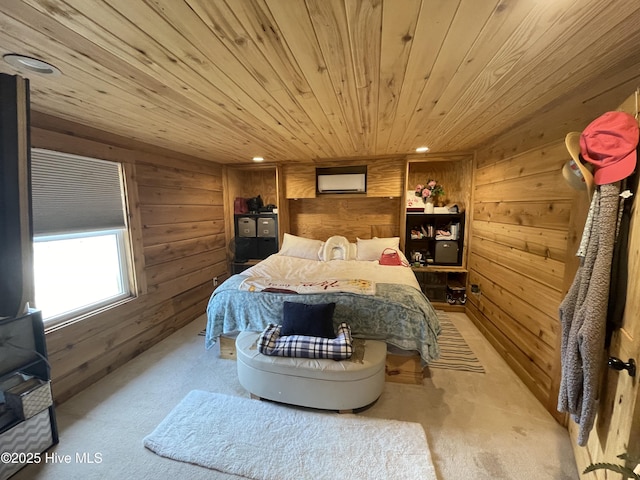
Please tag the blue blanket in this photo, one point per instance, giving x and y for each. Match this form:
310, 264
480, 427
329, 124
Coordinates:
398, 314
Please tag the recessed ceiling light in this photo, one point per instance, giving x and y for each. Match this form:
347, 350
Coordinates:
422, 149
258, 159
31, 64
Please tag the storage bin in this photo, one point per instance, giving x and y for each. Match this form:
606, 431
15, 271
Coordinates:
246, 248
246, 227
29, 397
266, 227
32, 436
267, 246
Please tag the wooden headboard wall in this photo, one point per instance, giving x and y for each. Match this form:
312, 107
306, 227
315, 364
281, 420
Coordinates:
374, 214
350, 217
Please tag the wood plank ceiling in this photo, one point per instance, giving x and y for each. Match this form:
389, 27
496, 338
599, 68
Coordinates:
299, 80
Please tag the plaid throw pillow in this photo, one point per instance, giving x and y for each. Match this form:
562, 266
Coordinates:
304, 346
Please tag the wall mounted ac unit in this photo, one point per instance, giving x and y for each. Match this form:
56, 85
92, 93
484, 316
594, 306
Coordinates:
341, 179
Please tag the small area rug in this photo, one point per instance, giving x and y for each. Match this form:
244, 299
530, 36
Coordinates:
268, 441
455, 353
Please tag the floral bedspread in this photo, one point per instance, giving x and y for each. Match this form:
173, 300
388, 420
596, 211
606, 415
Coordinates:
398, 314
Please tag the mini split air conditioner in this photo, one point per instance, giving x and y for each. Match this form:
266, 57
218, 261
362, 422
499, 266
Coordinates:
341, 179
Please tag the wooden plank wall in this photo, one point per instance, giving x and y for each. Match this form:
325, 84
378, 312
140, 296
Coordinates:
177, 217
523, 232
351, 217
376, 213
252, 181
385, 176
453, 173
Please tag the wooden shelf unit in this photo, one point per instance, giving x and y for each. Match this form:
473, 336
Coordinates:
454, 172
28, 427
261, 241
425, 226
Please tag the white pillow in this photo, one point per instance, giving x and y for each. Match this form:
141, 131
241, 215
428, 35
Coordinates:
353, 251
293, 246
372, 249
335, 248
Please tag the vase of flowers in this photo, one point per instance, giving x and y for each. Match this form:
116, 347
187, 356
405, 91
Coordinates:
428, 206
429, 194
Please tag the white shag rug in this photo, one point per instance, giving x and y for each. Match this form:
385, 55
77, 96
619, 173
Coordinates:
269, 441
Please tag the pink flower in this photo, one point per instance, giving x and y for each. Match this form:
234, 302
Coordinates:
431, 189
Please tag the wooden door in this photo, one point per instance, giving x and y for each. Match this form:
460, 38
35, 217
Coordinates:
617, 427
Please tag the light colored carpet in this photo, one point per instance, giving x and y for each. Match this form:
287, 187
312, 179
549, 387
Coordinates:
268, 441
455, 353
480, 427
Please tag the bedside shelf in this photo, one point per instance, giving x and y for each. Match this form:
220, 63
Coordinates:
239, 267
444, 261
444, 252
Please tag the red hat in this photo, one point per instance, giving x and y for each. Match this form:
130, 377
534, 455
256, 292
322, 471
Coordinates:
609, 144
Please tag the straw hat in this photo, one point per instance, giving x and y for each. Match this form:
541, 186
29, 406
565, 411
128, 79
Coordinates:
574, 171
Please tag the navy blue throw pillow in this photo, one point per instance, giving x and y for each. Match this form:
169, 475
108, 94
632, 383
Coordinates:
312, 320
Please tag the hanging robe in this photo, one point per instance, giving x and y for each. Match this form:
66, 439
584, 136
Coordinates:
583, 315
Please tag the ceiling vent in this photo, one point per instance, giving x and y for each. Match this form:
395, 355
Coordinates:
341, 179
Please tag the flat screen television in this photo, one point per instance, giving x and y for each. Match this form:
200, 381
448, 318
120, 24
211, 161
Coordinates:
16, 231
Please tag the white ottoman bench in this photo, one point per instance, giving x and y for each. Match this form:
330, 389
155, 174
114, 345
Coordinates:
316, 383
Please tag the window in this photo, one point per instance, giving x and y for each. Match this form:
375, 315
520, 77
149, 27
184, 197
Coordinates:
81, 249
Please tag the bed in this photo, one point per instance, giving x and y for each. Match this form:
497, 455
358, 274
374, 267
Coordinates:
379, 302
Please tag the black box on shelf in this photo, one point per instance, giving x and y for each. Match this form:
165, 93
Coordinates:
267, 246
246, 248
446, 252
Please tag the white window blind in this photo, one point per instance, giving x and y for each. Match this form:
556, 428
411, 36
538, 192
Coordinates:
71, 193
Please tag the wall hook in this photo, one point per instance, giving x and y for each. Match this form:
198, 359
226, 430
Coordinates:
617, 364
